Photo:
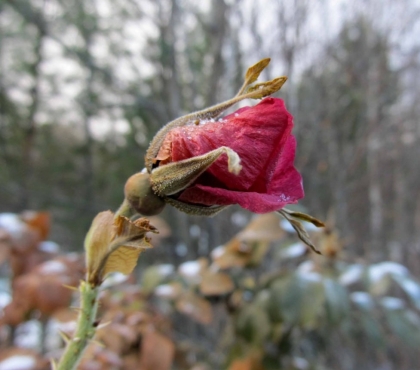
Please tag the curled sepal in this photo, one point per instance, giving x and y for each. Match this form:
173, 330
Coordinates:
113, 244
304, 217
173, 177
195, 209
300, 230
266, 88
253, 73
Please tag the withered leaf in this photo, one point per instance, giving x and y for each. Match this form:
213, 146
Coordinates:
196, 307
131, 240
98, 239
216, 283
113, 244
157, 352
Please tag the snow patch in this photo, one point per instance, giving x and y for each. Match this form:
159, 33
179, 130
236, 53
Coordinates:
165, 291
48, 247
352, 274
217, 252
362, 299
292, 251
12, 224
165, 270
52, 267
18, 362
392, 303
190, 268
378, 271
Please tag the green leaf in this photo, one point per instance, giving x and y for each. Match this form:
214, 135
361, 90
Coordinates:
405, 324
372, 329
298, 299
411, 287
253, 324
336, 300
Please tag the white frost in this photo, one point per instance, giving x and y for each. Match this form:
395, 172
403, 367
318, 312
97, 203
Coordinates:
292, 251
352, 274
195, 231
5, 299
28, 334
217, 252
306, 267
18, 362
48, 247
165, 270
165, 291
392, 303
12, 224
52, 267
379, 270
190, 268
362, 299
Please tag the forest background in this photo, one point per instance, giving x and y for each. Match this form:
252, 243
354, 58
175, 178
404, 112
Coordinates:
84, 86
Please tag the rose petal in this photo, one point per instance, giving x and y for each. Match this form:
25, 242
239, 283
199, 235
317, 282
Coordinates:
285, 187
256, 134
261, 135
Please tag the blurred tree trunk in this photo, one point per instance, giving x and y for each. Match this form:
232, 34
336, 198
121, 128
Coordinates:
216, 33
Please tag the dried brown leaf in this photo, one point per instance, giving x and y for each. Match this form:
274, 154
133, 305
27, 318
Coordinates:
216, 283
196, 307
263, 227
157, 352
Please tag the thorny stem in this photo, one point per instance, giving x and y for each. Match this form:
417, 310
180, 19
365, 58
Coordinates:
85, 327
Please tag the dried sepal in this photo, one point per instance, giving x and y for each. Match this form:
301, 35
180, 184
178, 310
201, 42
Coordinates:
195, 209
113, 244
253, 73
300, 230
304, 217
173, 177
267, 88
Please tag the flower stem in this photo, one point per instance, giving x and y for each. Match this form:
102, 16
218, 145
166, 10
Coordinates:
85, 327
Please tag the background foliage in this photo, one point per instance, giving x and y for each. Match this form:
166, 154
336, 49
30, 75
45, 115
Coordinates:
84, 85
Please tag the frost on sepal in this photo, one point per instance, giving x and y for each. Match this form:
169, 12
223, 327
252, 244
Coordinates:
113, 244
174, 177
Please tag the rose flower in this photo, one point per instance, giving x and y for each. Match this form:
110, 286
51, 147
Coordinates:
201, 163
261, 136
